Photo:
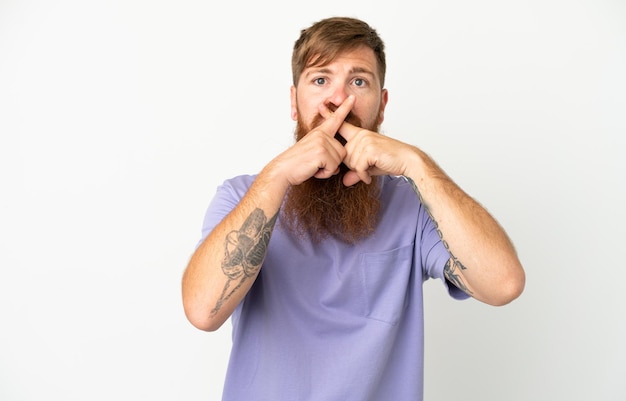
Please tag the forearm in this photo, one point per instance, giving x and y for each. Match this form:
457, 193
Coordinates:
227, 262
483, 260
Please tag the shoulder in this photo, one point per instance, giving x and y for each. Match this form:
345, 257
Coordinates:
397, 187
396, 181
237, 185
401, 204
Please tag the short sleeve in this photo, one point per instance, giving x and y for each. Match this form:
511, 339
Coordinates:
435, 255
226, 197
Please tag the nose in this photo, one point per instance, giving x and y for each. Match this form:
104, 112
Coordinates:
338, 95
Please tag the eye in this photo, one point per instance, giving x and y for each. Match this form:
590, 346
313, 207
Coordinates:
319, 81
360, 82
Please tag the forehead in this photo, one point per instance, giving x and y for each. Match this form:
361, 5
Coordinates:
361, 59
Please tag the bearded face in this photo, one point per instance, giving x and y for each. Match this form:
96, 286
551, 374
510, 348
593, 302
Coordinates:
319, 208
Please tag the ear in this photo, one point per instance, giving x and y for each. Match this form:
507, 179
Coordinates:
294, 104
383, 103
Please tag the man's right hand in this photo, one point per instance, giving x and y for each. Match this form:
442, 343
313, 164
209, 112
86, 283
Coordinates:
318, 154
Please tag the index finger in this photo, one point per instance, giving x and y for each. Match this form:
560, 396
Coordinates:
348, 131
333, 120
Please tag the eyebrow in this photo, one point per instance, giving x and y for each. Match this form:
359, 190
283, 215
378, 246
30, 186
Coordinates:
325, 70
361, 70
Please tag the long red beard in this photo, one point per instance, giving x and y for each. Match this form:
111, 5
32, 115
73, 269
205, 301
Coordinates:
326, 207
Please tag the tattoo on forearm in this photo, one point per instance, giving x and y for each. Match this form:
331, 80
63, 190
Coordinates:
244, 251
450, 269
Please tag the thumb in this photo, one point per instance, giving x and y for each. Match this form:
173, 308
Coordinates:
350, 178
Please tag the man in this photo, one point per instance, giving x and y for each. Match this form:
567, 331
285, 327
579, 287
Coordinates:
319, 259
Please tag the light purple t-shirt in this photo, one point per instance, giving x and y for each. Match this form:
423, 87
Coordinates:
331, 321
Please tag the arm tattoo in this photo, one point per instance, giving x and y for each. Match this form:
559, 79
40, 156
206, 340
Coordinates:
450, 269
244, 251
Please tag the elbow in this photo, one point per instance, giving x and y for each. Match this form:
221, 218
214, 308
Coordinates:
509, 288
208, 327
506, 297
503, 287
203, 325
198, 310
203, 319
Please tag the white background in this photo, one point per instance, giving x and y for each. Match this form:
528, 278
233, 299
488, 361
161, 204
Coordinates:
119, 118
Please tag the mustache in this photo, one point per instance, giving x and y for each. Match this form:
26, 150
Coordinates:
303, 128
350, 118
